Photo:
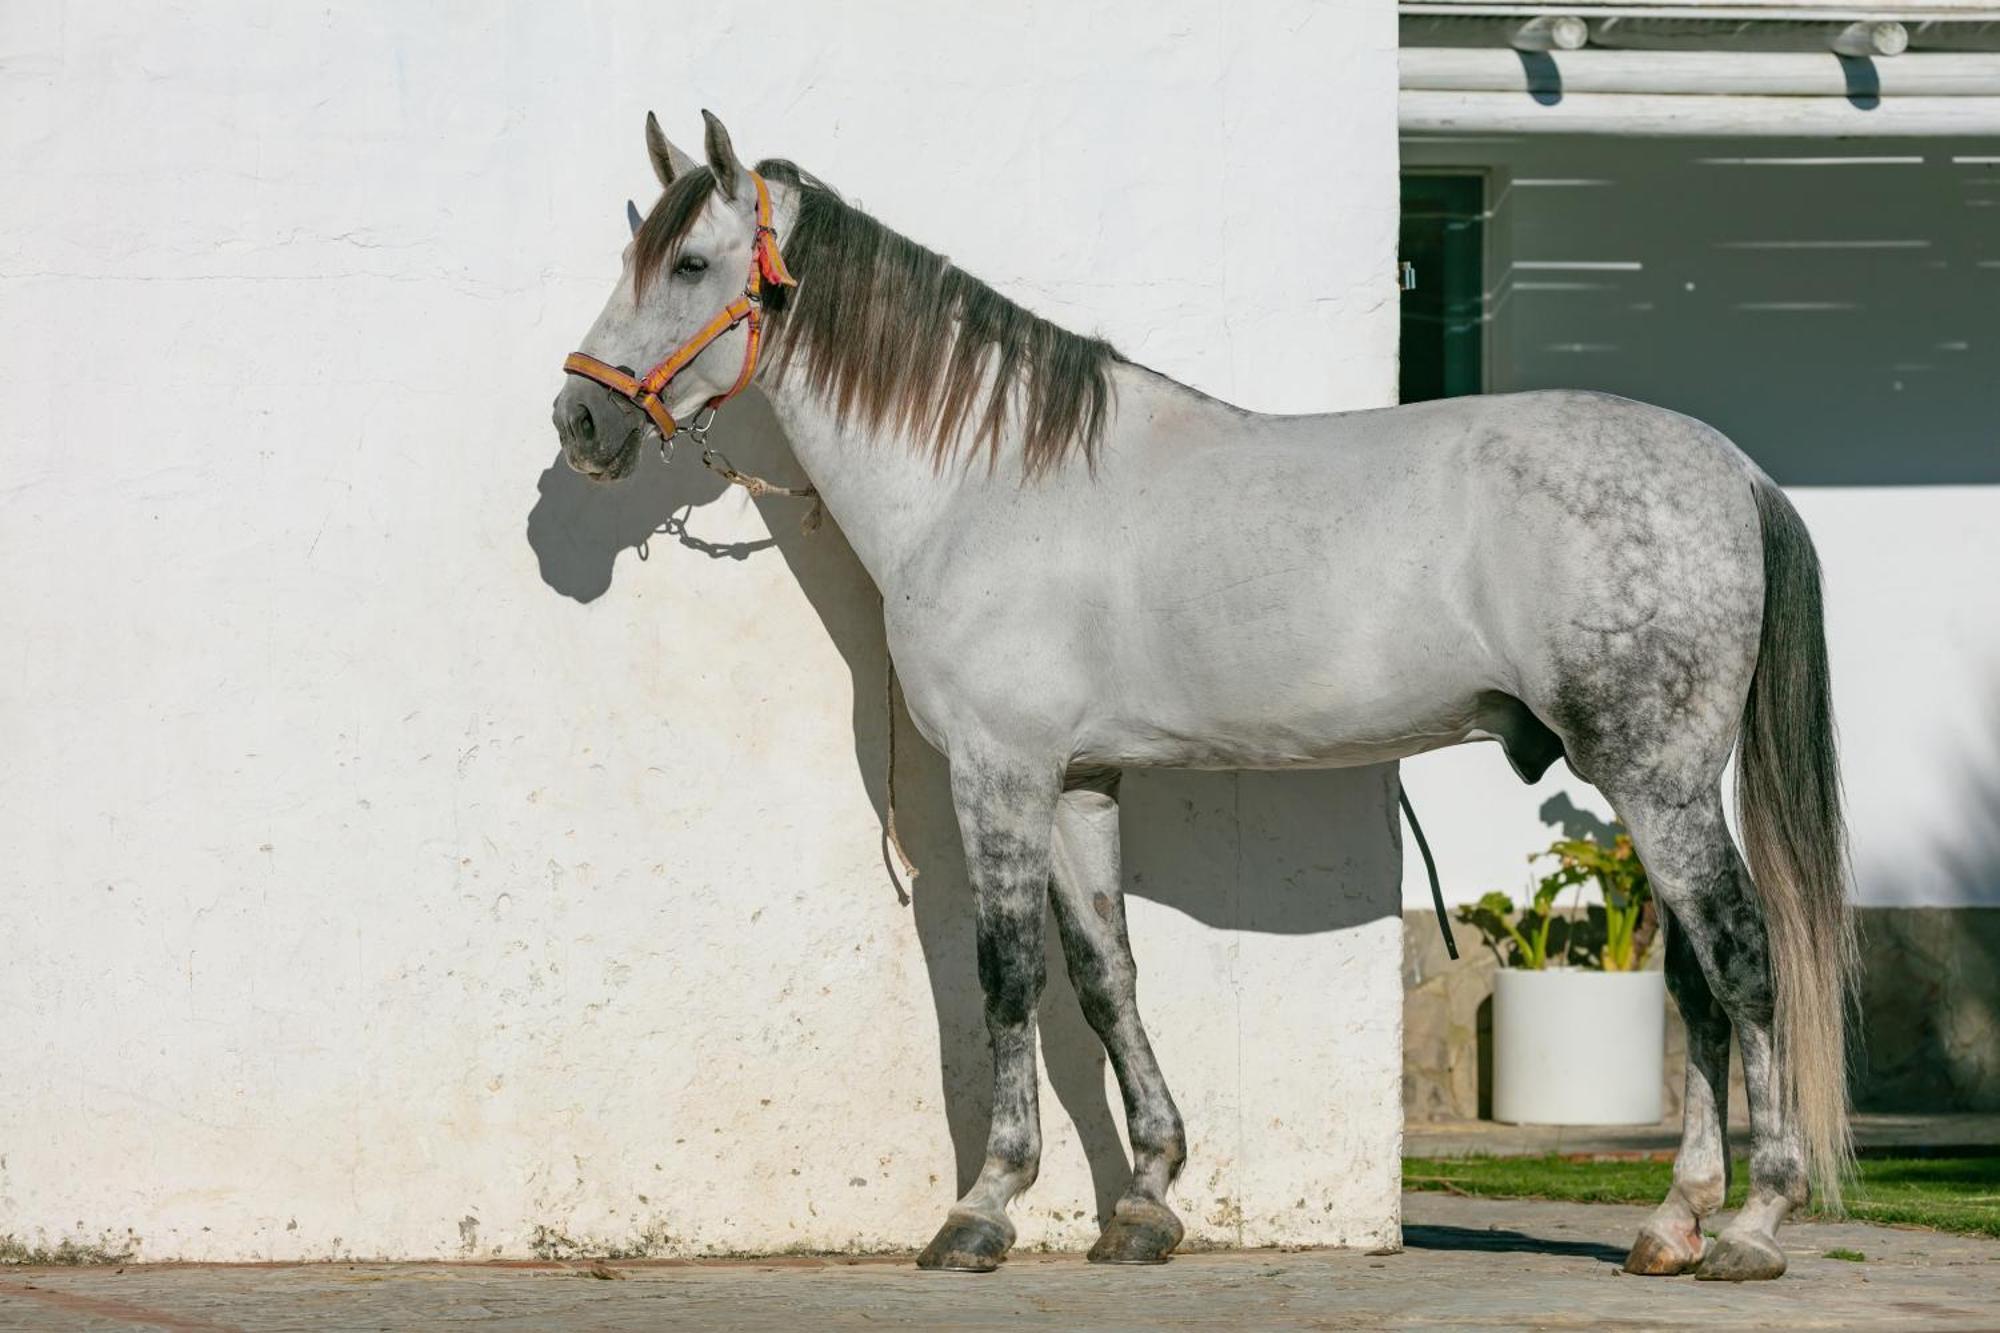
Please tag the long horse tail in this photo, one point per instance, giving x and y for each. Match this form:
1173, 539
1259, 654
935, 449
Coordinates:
1788, 806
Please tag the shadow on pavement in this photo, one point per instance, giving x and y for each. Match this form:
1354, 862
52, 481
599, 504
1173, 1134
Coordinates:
1497, 1241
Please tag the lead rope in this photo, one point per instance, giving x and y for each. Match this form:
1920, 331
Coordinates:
1430, 868
889, 785
718, 463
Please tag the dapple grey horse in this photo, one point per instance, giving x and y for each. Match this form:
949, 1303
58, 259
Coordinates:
1087, 567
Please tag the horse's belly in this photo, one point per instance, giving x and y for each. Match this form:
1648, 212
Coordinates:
1327, 745
1287, 675
1340, 729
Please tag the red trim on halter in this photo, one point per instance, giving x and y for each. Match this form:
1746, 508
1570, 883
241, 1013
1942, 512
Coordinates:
767, 264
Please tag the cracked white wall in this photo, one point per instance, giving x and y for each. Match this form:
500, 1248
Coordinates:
398, 862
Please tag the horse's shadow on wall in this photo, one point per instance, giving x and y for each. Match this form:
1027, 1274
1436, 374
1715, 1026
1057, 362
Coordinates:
1288, 854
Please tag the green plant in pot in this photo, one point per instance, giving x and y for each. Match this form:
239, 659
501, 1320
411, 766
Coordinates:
1613, 935
1578, 1023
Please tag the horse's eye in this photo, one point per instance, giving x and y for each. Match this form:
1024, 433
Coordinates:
691, 265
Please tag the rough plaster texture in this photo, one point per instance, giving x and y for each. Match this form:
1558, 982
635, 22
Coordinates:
1835, 319
412, 852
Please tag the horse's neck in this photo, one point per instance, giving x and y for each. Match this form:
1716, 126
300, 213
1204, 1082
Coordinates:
890, 498
884, 493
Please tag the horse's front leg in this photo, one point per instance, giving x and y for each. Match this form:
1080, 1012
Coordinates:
1006, 809
1090, 909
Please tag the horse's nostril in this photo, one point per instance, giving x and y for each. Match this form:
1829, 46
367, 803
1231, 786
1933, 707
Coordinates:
580, 423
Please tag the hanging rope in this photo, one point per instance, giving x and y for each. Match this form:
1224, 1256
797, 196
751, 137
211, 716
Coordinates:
718, 463
889, 800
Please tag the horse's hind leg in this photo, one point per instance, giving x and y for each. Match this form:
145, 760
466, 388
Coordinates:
1090, 910
1006, 812
1698, 874
1670, 1242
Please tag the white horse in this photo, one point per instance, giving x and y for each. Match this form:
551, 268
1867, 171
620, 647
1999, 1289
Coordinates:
1087, 567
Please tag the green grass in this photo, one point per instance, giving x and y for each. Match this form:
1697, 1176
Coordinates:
1960, 1194
1845, 1255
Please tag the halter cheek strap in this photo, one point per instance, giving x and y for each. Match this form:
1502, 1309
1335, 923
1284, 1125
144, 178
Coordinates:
767, 265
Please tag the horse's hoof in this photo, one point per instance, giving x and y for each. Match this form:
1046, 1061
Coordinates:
1140, 1232
1656, 1254
966, 1244
1743, 1257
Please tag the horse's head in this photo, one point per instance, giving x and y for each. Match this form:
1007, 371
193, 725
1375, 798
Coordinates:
682, 329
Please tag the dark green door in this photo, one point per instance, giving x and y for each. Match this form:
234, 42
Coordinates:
1442, 239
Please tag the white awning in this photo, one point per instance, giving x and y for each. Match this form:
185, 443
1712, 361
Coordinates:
1422, 112
1699, 73
1584, 68
1470, 90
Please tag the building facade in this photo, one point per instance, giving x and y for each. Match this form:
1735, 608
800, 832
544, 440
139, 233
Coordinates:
1784, 220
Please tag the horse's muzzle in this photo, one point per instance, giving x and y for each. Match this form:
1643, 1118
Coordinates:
600, 437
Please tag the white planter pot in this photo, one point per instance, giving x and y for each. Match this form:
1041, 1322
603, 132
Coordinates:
1572, 1047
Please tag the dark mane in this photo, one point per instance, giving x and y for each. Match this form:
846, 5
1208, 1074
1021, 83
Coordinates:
896, 336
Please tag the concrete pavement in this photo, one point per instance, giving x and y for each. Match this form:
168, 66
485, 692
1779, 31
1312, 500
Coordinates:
1468, 1263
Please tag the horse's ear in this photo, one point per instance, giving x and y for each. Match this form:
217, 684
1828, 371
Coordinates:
721, 156
669, 162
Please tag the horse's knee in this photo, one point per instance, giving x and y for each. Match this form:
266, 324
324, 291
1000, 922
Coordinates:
1015, 1147
1011, 974
1105, 1003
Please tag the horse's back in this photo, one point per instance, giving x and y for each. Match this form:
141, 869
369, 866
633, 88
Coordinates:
1508, 516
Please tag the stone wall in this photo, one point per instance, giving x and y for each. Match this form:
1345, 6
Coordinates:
1930, 1002
1929, 1037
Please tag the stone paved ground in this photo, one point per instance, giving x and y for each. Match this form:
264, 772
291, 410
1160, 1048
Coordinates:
1470, 1263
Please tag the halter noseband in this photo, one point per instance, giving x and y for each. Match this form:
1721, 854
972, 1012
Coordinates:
766, 265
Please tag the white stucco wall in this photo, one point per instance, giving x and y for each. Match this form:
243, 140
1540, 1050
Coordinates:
401, 860
1831, 306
